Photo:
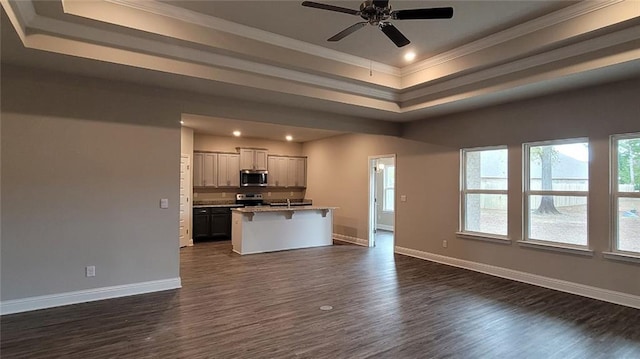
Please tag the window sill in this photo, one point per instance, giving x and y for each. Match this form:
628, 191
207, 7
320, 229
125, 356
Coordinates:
583, 251
626, 257
484, 237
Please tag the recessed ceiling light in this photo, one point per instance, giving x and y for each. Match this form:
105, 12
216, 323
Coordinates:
237, 133
410, 56
289, 138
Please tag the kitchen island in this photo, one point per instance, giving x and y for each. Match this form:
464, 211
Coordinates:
266, 229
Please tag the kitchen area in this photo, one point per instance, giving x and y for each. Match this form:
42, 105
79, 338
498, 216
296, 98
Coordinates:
254, 194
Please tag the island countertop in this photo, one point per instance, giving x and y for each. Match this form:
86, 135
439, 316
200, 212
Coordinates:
261, 209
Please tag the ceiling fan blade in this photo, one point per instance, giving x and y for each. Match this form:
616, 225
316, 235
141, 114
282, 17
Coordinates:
420, 14
381, 3
348, 31
394, 34
330, 7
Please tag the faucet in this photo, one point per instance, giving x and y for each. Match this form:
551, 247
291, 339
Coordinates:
288, 203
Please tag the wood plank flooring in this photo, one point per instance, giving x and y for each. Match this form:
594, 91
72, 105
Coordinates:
384, 306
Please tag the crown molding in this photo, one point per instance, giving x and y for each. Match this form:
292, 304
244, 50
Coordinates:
581, 48
218, 24
200, 57
562, 15
20, 14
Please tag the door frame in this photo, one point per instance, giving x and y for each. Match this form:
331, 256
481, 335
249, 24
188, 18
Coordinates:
371, 163
189, 207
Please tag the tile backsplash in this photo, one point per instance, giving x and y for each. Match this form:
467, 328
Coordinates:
228, 194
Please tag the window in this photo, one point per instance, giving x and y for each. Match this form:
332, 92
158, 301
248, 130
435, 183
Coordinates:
626, 192
556, 190
483, 194
389, 188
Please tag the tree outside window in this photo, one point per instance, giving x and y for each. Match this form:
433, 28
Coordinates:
484, 191
626, 180
556, 191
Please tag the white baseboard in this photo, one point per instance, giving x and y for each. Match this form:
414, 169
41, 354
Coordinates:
352, 240
89, 295
541, 281
385, 227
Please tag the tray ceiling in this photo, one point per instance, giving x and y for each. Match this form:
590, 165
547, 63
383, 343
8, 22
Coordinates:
275, 51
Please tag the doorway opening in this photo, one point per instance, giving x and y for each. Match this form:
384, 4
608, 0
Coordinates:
382, 201
184, 237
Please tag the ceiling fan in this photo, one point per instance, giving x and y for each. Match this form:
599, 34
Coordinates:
377, 13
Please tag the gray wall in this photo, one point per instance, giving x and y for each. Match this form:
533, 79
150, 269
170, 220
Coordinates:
84, 166
428, 173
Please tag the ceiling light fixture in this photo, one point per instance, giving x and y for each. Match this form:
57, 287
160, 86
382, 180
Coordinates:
237, 133
289, 137
181, 122
410, 56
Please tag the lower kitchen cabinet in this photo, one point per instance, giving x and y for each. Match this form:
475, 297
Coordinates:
211, 223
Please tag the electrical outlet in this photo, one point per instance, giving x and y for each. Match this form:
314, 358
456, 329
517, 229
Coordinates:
195, 194
444, 243
291, 194
224, 194
164, 203
268, 194
403, 198
90, 271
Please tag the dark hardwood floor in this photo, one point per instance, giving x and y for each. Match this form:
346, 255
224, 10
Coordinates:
384, 306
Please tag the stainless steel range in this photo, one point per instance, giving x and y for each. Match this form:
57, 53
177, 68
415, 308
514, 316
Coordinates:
250, 199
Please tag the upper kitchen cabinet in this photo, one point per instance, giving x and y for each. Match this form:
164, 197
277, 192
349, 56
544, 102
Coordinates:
253, 159
297, 172
228, 170
277, 166
205, 169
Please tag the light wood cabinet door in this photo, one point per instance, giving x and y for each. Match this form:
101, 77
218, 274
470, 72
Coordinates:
228, 170
282, 165
301, 172
291, 172
210, 170
252, 159
260, 160
246, 159
198, 169
297, 172
272, 167
233, 170
278, 175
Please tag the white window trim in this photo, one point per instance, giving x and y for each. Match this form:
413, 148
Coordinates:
462, 233
557, 247
527, 192
384, 191
487, 237
615, 252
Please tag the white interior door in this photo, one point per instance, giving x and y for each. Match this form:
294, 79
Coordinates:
185, 207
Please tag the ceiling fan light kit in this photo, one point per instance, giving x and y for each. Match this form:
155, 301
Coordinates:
377, 13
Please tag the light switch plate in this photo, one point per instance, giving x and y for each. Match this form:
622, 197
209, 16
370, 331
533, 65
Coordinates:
90, 271
164, 203
403, 198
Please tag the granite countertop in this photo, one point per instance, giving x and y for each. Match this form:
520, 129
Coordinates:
258, 209
230, 205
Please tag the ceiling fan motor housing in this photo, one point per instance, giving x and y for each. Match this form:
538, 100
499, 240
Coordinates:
374, 14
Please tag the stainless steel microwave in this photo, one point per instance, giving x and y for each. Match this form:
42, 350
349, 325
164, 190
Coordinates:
253, 178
